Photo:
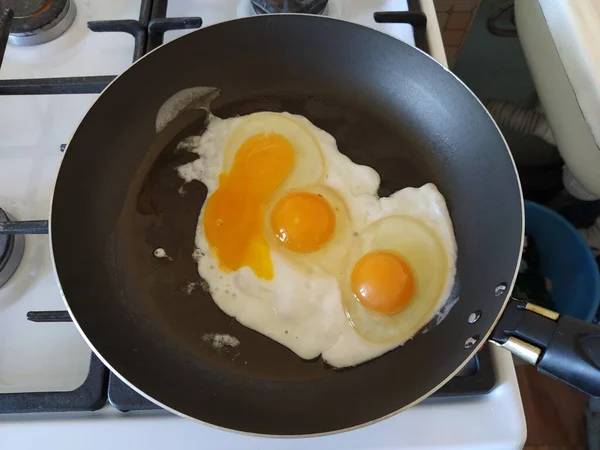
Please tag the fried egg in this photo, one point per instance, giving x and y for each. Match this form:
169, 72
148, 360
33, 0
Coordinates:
404, 262
292, 230
264, 153
310, 227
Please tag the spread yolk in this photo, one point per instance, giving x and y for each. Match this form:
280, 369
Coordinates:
383, 282
234, 213
303, 221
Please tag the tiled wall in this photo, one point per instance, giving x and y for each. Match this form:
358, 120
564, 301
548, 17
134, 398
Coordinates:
455, 18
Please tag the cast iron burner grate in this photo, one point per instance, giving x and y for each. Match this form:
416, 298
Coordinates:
475, 379
90, 396
148, 32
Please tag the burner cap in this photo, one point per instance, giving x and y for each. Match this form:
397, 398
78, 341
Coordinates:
11, 251
39, 21
289, 6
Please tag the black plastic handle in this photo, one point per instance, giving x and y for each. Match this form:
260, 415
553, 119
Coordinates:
573, 355
563, 347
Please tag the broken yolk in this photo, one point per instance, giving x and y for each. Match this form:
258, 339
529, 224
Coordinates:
234, 213
383, 282
303, 221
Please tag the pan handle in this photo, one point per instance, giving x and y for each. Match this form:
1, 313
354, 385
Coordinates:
563, 347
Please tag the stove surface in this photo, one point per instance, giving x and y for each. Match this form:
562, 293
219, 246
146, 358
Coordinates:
53, 357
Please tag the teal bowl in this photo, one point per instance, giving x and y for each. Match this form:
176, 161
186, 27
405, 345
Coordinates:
566, 259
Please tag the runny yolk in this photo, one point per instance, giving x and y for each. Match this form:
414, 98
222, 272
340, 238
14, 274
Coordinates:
383, 282
234, 213
303, 221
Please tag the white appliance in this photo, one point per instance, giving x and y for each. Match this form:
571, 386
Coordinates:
44, 357
560, 40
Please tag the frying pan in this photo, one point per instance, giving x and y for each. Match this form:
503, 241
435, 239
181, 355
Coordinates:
389, 106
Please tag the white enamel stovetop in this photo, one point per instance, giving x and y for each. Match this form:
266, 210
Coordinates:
45, 357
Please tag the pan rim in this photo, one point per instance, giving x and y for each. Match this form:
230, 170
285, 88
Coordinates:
476, 347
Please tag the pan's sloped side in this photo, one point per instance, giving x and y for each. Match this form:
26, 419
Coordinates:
387, 104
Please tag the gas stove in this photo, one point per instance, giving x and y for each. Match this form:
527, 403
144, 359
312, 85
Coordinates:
52, 389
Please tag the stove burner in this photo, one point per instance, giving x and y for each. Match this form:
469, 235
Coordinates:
39, 21
289, 6
11, 251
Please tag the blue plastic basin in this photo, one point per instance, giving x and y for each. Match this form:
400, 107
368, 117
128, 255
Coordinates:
566, 259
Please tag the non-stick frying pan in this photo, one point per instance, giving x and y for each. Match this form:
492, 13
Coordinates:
389, 106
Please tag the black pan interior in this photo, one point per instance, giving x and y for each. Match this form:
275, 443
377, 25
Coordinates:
117, 199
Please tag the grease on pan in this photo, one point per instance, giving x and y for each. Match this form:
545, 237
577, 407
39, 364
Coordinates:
192, 98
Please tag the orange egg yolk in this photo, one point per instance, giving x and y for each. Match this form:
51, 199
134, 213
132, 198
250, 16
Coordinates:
234, 213
303, 221
383, 282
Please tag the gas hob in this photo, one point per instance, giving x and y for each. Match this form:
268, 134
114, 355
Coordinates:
46, 369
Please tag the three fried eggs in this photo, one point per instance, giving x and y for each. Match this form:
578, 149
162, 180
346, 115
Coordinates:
294, 242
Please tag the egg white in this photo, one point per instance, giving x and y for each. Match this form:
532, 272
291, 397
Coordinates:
300, 310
